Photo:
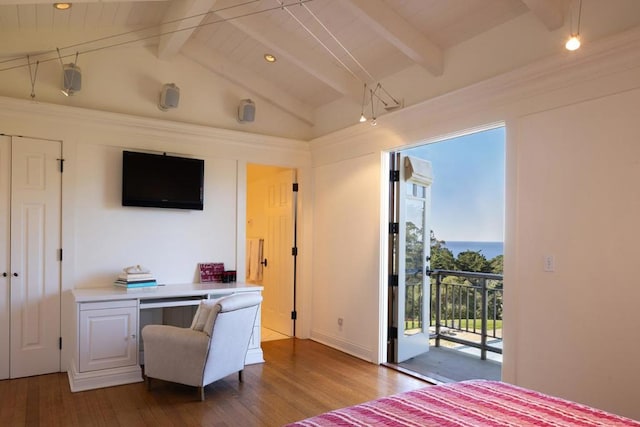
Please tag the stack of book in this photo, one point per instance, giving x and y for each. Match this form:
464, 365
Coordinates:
136, 281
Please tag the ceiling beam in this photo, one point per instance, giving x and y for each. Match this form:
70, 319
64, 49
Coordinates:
296, 51
247, 79
549, 12
180, 21
395, 29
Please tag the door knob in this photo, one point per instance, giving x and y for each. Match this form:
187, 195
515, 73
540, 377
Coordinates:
15, 274
264, 262
4, 274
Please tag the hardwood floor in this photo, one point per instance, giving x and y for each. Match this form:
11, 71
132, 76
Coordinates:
300, 378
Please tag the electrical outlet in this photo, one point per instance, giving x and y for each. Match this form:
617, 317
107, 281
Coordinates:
549, 263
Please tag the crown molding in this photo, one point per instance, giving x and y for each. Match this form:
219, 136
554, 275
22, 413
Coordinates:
70, 117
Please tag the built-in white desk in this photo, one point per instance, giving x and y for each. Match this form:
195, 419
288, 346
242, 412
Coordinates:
108, 322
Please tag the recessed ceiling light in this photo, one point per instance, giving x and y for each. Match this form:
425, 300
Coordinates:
62, 6
269, 57
573, 43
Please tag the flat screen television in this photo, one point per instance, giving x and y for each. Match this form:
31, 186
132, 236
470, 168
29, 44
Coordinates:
161, 181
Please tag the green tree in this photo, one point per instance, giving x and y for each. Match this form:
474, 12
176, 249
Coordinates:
414, 249
497, 264
441, 257
414, 258
463, 300
472, 261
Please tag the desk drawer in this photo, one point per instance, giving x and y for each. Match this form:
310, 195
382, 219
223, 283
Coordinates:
99, 305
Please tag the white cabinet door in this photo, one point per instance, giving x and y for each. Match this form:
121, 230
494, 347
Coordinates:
108, 336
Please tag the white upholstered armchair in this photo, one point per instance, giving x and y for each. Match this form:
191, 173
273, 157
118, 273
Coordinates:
214, 347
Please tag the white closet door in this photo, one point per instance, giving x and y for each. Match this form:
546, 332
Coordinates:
35, 265
5, 197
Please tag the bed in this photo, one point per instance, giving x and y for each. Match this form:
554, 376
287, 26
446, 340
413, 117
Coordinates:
468, 403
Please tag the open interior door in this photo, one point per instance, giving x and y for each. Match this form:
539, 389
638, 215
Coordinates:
279, 272
409, 233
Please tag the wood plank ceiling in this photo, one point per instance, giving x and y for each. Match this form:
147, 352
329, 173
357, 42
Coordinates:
325, 49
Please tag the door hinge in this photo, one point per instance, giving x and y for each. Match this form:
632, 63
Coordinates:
394, 227
295, 187
393, 280
60, 343
294, 315
392, 333
60, 254
294, 251
394, 176
61, 165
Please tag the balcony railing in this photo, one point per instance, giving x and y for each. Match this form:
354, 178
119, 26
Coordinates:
467, 302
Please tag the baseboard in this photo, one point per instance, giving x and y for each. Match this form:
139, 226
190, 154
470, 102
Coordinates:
344, 346
80, 381
254, 355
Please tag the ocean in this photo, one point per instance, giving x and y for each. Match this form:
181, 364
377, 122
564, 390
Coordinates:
488, 249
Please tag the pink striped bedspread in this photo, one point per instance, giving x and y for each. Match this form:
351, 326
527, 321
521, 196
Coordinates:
468, 403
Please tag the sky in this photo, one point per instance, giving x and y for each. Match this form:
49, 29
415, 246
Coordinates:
467, 194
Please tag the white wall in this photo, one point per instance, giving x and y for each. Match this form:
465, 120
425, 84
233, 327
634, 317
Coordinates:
100, 236
170, 242
578, 200
346, 264
572, 167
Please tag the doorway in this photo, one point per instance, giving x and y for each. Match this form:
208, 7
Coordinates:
271, 243
446, 255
